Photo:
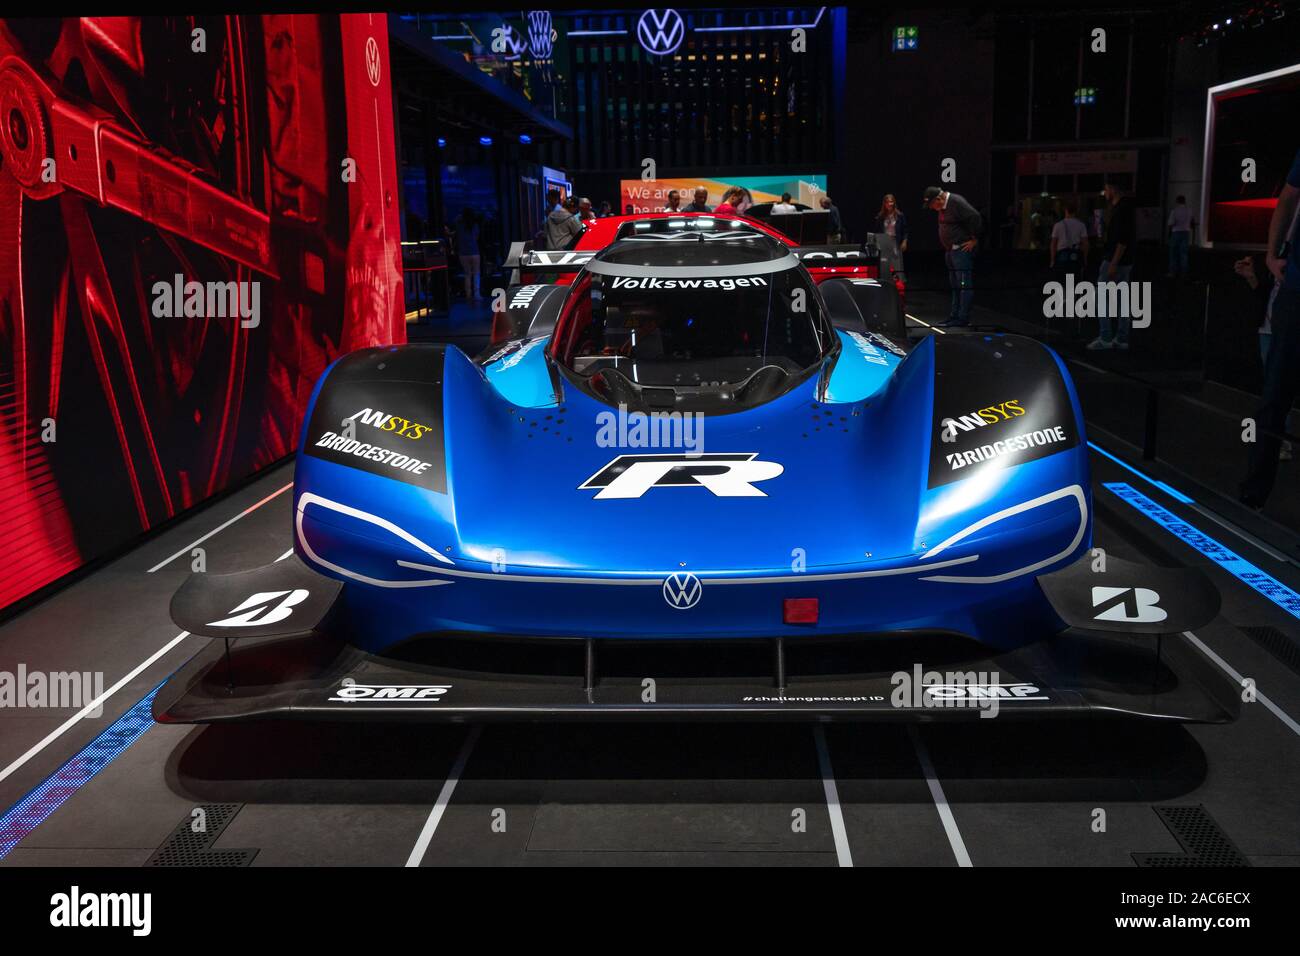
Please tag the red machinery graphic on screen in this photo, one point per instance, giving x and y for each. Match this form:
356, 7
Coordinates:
212, 158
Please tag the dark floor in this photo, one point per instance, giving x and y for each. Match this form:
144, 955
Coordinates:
996, 793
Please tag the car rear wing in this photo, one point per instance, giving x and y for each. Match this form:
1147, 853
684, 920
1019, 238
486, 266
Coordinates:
555, 260
868, 252
535, 262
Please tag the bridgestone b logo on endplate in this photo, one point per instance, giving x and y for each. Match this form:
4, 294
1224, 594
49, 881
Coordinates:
264, 607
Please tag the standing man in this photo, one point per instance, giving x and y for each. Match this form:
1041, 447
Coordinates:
785, 207
1069, 247
700, 202
959, 228
585, 212
1180, 237
674, 201
562, 227
1282, 370
836, 229
1116, 264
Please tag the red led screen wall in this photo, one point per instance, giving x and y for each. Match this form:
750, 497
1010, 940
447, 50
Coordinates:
250, 158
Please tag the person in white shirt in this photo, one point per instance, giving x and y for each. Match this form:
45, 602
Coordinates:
1069, 243
784, 206
1180, 237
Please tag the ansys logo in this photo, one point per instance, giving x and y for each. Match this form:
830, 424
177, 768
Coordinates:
390, 423
682, 590
660, 31
726, 475
992, 415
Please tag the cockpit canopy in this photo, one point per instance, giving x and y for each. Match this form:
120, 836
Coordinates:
692, 312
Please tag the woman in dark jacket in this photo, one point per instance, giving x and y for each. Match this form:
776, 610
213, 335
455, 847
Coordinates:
892, 222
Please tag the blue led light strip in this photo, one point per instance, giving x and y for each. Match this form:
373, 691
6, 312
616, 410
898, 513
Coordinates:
39, 805
1239, 567
1167, 489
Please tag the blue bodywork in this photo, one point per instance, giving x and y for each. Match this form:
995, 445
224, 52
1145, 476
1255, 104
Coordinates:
516, 546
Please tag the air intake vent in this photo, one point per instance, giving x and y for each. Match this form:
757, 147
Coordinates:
1283, 647
186, 847
1203, 843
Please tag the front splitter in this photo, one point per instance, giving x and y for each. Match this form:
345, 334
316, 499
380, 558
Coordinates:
1076, 673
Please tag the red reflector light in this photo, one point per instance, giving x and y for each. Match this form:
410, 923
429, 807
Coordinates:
800, 610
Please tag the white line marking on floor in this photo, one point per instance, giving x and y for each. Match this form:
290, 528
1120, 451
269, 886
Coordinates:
1244, 535
1088, 366
838, 830
444, 797
1228, 669
219, 528
933, 328
93, 705
284, 556
940, 801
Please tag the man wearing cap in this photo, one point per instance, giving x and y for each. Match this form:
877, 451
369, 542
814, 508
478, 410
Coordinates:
959, 229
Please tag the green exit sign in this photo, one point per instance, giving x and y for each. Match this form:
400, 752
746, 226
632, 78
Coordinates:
905, 38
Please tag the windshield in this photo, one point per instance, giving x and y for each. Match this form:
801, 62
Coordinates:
690, 331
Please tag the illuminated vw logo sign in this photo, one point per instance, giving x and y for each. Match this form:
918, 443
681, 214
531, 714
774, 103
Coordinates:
682, 590
372, 61
539, 34
660, 31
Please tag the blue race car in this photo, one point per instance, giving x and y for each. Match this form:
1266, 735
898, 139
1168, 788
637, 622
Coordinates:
696, 481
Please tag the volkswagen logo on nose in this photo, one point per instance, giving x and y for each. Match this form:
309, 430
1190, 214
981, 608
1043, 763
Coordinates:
682, 590
660, 31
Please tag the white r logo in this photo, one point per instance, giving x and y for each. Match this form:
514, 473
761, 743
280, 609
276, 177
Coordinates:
726, 475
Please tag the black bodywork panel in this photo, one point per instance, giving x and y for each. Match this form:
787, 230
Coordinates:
996, 389
390, 400
865, 305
